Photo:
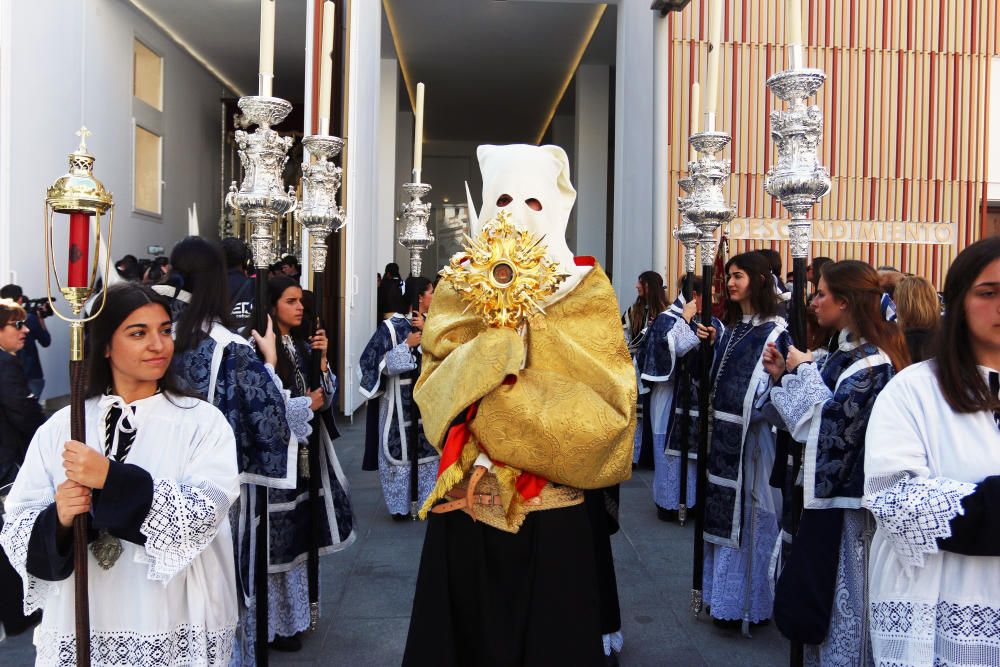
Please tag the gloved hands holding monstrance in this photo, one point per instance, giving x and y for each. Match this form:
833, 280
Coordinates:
504, 273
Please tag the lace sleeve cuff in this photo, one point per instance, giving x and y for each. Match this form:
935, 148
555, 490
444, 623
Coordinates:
182, 521
683, 338
399, 360
299, 414
915, 512
15, 539
797, 397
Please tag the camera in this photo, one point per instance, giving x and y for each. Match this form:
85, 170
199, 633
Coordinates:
40, 307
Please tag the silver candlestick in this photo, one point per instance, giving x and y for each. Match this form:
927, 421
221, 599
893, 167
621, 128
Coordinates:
416, 236
261, 198
707, 207
318, 211
686, 233
797, 180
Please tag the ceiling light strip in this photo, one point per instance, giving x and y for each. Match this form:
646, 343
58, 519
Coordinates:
588, 35
404, 68
191, 51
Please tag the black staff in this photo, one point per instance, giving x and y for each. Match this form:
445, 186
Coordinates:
704, 433
313, 473
684, 376
261, 560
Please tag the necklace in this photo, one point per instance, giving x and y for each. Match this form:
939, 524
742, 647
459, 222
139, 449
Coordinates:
731, 345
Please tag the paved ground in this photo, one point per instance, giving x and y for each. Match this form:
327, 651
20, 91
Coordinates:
368, 589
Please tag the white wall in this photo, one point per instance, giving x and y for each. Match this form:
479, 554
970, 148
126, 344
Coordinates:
361, 187
70, 63
591, 169
633, 198
385, 212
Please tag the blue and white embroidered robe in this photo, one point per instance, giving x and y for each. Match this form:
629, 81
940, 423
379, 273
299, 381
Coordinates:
224, 366
288, 512
686, 396
741, 509
826, 405
389, 368
668, 339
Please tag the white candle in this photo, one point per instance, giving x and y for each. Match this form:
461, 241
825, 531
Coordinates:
793, 33
695, 111
266, 47
714, 57
418, 134
326, 68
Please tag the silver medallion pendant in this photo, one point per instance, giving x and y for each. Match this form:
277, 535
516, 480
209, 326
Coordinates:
106, 549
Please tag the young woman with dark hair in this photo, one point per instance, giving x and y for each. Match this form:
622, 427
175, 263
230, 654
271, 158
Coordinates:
650, 302
932, 480
158, 476
741, 508
824, 399
289, 509
390, 366
223, 368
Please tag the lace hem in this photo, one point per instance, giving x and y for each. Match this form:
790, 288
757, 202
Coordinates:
947, 633
915, 511
183, 645
182, 521
14, 538
399, 360
298, 412
797, 397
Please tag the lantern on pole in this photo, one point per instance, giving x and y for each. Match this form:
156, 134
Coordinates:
79, 195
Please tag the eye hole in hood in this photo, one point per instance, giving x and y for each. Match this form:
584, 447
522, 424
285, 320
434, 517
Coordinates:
533, 204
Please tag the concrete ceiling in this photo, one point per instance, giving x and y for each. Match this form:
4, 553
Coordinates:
494, 70
225, 33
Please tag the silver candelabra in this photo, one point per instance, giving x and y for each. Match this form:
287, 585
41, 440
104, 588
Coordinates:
686, 233
797, 180
416, 236
261, 198
707, 208
318, 211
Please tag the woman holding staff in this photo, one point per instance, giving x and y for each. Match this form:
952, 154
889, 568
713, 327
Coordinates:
824, 399
158, 478
741, 509
290, 530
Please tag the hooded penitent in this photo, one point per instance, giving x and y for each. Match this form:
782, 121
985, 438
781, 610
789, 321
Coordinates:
553, 402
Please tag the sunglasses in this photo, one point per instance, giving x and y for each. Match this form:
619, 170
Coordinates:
17, 324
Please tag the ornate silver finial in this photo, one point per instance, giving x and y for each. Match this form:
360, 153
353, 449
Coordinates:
318, 211
707, 208
797, 179
686, 233
261, 198
416, 236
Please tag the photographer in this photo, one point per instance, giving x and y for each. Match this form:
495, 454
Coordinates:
37, 310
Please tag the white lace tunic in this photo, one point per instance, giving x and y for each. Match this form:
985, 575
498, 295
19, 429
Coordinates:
928, 607
171, 601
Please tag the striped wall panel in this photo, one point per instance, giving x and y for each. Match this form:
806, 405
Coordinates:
905, 115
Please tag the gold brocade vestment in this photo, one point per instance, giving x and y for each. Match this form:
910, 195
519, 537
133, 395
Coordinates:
569, 417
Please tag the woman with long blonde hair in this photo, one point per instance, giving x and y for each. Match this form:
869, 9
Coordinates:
918, 314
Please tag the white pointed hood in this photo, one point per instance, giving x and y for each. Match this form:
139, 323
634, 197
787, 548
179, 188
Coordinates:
525, 173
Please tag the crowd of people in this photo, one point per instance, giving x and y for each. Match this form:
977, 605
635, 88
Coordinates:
175, 526
850, 495
852, 481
